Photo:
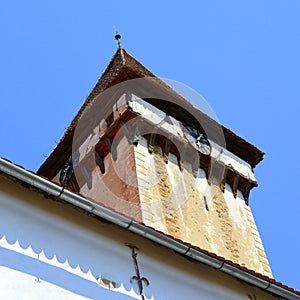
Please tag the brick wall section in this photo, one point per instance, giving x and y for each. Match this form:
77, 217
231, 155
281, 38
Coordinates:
258, 243
117, 188
150, 207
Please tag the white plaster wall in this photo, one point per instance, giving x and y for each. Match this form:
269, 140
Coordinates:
49, 250
43, 256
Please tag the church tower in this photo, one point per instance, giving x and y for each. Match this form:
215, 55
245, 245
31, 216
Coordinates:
138, 147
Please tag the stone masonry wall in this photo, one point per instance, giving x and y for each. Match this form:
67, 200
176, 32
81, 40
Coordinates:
188, 208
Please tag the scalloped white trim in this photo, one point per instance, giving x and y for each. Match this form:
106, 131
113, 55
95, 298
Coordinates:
16, 247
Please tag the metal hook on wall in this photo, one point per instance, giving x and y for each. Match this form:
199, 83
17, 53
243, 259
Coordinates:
140, 280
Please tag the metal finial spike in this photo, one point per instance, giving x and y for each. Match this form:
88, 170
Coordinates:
118, 38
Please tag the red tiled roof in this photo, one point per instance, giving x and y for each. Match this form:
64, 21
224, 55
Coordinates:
123, 67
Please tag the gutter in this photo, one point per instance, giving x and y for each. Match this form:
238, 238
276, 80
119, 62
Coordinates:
124, 222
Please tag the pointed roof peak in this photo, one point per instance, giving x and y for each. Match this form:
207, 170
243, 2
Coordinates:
122, 67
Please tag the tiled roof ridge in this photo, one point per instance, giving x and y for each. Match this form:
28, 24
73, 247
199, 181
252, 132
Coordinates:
109, 73
120, 60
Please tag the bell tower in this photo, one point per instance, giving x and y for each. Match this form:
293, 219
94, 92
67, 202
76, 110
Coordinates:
138, 147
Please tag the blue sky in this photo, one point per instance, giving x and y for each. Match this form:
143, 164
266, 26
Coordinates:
241, 56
